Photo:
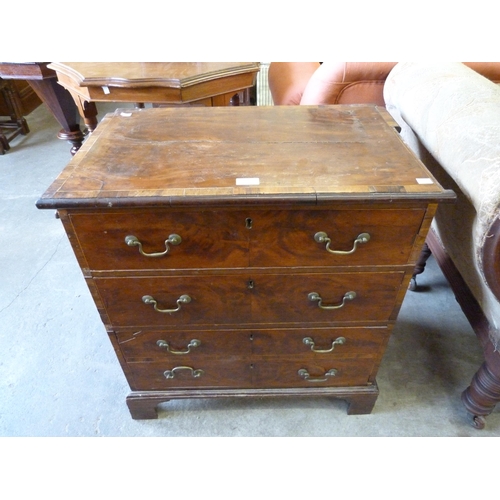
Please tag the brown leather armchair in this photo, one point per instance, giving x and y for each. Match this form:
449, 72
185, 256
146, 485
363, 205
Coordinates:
328, 83
341, 82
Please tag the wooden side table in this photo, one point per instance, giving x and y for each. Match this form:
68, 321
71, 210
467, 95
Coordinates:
16, 123
164, 83
44, 82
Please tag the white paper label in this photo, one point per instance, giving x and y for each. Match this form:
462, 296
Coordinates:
247, 181
425, 180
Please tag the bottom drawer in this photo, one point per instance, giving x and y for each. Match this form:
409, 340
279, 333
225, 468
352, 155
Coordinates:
247, 373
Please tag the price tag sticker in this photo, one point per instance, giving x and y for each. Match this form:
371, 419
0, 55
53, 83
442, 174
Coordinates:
425, 180
247, 181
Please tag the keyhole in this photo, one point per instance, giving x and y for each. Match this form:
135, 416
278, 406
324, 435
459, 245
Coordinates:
248, 223
250, 284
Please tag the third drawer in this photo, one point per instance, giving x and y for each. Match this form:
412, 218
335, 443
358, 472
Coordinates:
196, 345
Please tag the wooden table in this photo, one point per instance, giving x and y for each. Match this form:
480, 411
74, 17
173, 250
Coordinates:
16, 123
252, 251
43, 80
201, 83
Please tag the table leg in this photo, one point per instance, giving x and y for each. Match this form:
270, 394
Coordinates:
88, 111
17, 119
4, 143
221, 100
242, 98
62, 106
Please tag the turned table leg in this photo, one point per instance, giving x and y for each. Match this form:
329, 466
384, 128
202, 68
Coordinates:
63, 108
420, 266
88, 111
481, 397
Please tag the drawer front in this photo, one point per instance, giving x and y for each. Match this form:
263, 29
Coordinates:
335, 373
164, 375
212, 300
246, 373
250, 299
312, 344
196, 346
183, 346
229, 239
208, 239
324, 298
300, 238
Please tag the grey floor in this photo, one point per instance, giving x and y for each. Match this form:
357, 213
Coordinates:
59, 375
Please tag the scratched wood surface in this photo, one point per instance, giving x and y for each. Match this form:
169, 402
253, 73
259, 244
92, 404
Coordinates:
169, 154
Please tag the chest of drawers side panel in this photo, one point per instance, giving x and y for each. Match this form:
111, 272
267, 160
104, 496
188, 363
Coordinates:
414, 256
73, 237
422, 233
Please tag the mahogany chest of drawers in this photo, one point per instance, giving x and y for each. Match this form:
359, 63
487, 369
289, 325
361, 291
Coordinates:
254, 251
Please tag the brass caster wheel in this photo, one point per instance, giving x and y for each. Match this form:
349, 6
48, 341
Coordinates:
478, 422
413, 284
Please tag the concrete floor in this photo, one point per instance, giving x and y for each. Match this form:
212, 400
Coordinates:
59, 375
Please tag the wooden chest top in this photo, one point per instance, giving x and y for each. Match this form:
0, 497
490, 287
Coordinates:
183, 156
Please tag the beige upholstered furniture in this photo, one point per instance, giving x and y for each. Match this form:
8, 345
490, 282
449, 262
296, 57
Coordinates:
450, 117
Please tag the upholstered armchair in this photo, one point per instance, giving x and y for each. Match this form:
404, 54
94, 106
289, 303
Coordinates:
340, 82
450, 117
328, 83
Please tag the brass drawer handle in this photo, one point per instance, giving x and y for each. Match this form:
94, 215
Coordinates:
310, 342
165, 345
183, 299
133, 241
322, 237
305, 375
171, 373
313, 296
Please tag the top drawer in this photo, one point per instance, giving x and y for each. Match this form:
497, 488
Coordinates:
169, 239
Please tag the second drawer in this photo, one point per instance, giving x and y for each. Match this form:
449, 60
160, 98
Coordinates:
250, 299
